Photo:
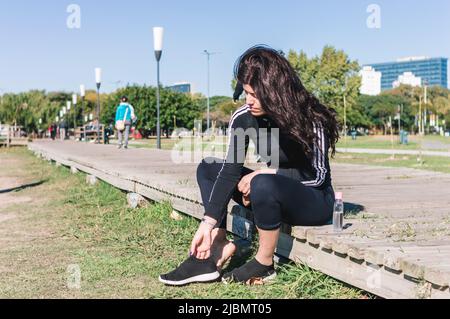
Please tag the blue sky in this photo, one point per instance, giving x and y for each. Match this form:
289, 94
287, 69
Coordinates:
38, 51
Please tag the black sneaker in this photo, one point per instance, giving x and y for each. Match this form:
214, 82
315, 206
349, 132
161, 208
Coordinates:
191, 271
251, 273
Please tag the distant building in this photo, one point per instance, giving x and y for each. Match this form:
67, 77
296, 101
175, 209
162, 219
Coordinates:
183, 87
407, 78
430, 70
371, 81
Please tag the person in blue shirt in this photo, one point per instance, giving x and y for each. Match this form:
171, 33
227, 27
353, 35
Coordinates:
124, 113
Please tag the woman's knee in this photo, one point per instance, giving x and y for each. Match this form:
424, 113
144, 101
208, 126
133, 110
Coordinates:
265, 202
262, 188
208, 168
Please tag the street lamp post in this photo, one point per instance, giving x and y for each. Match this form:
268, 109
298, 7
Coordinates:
208, 103
98, 80
158, 34
425, 101
74, 102
67, 111
83, 94
345, 110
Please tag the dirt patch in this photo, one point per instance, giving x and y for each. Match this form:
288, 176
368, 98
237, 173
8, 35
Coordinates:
7, 200
34, 248
5, 217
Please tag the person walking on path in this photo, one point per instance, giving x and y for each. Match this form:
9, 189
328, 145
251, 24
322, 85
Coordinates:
124, 116
53, 131
62, 129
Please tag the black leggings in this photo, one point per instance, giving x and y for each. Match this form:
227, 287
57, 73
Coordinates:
274, 198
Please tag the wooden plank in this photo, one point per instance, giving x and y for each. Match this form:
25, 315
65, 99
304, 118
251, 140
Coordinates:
439, 275
416, 267
378, 281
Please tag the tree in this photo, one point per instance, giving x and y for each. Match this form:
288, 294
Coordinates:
223, 112
438, 99
379, 108
24, 109
181, 107
329, 77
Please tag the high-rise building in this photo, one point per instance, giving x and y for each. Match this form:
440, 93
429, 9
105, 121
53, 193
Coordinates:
433, 71
183, 87
371, 81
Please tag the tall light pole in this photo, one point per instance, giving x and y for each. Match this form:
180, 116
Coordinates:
345, 111
158, 35
74, 102
425, 101
98, 81
400, 111
208, 58
83, 94
420, 116
67, 131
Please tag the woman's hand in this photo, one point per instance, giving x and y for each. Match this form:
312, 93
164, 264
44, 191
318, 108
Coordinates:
201, 244
244, 184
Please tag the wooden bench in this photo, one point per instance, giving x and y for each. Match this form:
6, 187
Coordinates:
9, 137
91, 133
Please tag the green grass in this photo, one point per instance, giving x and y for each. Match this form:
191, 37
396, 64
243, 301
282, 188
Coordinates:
376, 142
431, 163
429, 142
146, 242
120, 252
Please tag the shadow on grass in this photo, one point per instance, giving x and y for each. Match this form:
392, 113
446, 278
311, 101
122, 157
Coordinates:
352, 209
22, 187
245, 250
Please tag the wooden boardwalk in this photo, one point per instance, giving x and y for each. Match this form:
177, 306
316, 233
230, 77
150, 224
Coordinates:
397, 240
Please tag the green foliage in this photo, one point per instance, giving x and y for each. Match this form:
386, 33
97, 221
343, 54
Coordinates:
25, 109
184, 107
438, 101
379, 108
223, 112
330, 77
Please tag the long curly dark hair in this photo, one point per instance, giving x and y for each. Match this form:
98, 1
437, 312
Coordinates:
284, 98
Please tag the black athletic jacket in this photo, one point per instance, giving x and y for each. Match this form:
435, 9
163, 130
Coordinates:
292, 160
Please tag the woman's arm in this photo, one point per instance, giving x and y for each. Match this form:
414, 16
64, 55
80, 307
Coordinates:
231, 170
224, 185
